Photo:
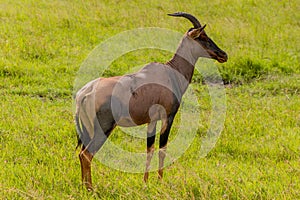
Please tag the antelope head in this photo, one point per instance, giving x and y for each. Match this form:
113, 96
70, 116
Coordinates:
199, 35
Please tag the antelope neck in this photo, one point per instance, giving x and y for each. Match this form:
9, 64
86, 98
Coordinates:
183, 66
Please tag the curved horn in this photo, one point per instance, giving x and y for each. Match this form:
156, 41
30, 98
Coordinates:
190, 17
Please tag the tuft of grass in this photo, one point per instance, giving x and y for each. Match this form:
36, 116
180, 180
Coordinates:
244, 71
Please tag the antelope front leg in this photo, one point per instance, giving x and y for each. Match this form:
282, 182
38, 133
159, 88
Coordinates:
163, 140
150, 151
85, 161
161, 156
151, 130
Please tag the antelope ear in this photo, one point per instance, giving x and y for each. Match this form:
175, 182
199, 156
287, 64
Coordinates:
194, 33
202, 29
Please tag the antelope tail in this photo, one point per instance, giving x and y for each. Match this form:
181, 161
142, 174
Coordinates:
84, 119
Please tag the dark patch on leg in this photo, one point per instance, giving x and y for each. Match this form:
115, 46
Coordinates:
151, 132
102, 130
150, 141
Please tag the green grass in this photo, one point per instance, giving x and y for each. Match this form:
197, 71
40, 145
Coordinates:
43, 44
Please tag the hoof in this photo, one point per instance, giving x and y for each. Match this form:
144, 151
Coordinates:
146, 176
160, 174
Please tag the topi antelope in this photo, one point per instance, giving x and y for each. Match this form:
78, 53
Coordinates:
145, 97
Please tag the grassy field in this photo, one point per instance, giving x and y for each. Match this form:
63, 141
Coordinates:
43, 44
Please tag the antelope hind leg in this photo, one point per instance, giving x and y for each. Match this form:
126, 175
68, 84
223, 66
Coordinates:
85, 161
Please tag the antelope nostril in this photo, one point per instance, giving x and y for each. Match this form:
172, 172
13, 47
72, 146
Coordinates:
224, 55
